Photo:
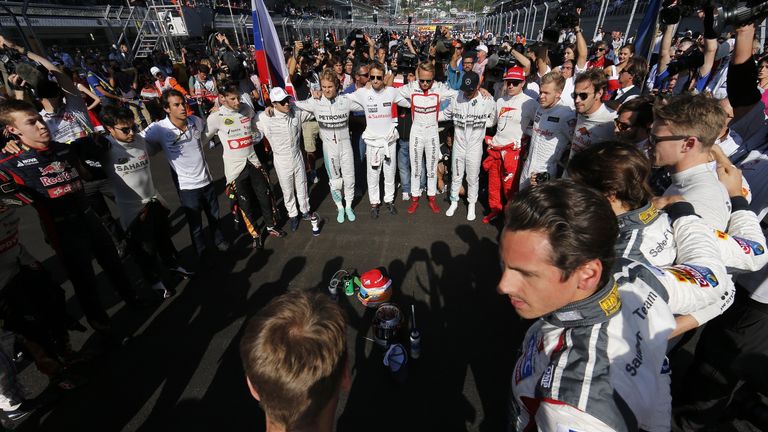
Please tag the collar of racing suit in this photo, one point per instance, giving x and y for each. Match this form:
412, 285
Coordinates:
638, 218
597, 308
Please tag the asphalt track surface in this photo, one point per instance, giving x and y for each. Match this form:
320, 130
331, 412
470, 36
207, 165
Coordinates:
179, 369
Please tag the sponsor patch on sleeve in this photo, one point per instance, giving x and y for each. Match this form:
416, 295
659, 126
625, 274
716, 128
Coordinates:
750, 247
695, 275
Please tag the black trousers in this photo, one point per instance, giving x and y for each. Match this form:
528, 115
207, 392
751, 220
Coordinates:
149, 238
732, 348
79, 239
252, 187
33, 305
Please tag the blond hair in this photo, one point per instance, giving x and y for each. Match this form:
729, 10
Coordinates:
329, 75
294, 352
556, 78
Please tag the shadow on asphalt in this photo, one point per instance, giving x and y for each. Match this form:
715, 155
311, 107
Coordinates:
469, 337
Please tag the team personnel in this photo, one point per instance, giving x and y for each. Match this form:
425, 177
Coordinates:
47, 175
684, 131
472, 113
180, 137
380, 136
294, 344
234, 123
514, 116
283, 130
332, 113
143, 214
551, 132
594, 121
425, 96
604, 322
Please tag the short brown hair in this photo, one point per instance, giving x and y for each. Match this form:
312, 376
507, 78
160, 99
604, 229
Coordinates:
10, 106
294, 352
699, 116
556, 78
638, 68
643, 106
568, 213
376, 65
614, 168
596, 76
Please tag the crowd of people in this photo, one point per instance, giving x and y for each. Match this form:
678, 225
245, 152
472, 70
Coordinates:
629, 192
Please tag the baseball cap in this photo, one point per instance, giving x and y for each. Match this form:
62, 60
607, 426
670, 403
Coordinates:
155, 70
515, 73
482, 47
469, 82
277, 94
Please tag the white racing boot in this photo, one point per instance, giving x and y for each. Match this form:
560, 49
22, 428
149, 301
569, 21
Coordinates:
452, 209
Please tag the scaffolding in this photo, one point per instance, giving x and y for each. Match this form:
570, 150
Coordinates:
155, 25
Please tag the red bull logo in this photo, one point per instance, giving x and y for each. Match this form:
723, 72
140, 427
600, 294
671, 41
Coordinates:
52, 168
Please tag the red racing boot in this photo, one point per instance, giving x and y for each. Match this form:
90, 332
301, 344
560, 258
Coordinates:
414, 205
491, 216
433, 205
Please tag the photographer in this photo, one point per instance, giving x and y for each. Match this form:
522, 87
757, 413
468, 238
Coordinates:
305, 80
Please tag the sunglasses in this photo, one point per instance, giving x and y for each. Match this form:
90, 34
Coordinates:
127, 130
365, 75
582, 96
282, 102
514, 82
377, 77
600, 49
425, 81
622, 127
653, 139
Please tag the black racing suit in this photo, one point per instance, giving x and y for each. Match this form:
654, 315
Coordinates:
49, 181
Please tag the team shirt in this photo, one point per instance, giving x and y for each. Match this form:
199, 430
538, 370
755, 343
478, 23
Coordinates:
552, 130
237, 132
514, 118
184, 150
705, 192
592, 128
128, 167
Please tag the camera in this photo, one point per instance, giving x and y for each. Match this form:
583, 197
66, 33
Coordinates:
9, 57
541, 177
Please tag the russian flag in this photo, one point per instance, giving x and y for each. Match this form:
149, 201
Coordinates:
646, 33
270, 62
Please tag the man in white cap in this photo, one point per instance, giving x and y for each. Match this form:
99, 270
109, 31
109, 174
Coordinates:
283, 130
514, 117
482, 60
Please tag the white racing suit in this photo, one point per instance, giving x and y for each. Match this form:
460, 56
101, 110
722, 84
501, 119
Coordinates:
470, 119
424, 140
284, 134
550, 134
646, 235
380, 136
380, 154
333, 119
599, 364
